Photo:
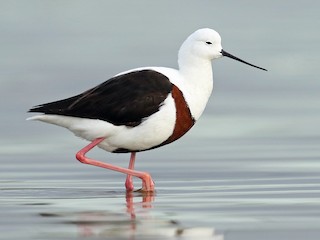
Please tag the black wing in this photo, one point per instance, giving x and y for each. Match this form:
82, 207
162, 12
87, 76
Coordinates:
123, 100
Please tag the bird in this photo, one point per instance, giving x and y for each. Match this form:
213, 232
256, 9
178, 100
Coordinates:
142, 108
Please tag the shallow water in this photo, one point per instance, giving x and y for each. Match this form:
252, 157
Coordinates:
243, 192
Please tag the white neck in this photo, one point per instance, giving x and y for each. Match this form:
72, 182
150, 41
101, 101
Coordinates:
198, 82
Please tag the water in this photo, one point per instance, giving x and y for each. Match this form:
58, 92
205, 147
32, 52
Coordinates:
242, 192
249, 169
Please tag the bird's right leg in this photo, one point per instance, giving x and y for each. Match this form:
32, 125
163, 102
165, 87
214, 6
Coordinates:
147, 182
129, 182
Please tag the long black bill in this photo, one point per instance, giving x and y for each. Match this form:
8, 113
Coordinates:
226, 54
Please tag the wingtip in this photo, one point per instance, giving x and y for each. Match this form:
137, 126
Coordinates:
34, 108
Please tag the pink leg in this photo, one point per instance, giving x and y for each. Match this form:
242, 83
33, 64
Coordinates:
147, 183
129, 182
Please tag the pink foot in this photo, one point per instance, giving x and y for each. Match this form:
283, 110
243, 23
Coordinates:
129, 184
147, 183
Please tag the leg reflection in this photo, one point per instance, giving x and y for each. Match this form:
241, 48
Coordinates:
147, 199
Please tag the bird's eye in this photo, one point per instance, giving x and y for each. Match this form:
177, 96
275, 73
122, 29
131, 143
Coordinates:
208, 43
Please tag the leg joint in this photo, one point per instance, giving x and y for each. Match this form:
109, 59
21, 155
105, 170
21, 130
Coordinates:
80, 157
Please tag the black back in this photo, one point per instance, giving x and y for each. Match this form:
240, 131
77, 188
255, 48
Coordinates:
122, 100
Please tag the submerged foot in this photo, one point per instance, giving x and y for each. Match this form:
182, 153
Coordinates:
129, 184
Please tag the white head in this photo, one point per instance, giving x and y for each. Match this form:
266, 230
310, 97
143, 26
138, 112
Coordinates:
202, 46
204, 43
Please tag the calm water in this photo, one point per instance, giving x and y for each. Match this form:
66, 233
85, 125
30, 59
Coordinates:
249, 169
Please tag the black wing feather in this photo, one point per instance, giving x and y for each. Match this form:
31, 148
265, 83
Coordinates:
123, 100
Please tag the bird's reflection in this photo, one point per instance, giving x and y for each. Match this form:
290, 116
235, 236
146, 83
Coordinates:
137, 220
147, 199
